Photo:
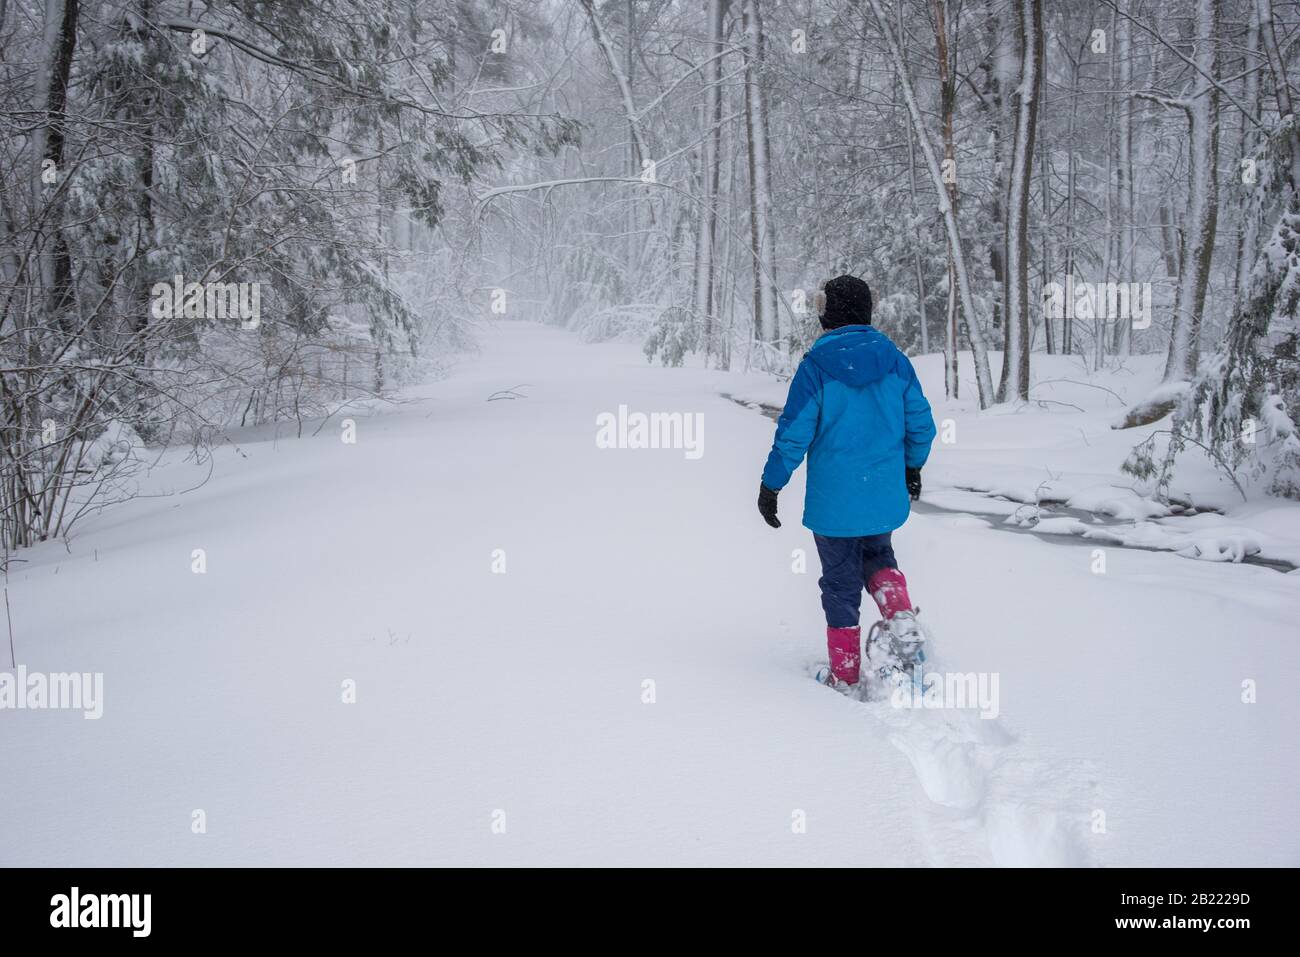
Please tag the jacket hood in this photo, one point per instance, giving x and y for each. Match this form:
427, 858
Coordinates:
855, 355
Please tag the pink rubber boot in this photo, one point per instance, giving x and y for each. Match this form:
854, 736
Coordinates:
845, 647
889, 588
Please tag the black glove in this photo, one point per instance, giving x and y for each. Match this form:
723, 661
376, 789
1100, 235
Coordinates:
914, 483
767, 505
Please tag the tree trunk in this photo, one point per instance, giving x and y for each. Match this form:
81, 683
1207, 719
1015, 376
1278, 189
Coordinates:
1045, 178
1202, 206
1015, 360
947, 101
921, 318
1000, 74
1071, 196
638, 151
57, 266
1248, 227
1170, 242
1127, 208
1108, 234
762, 233
947, 192
705, 294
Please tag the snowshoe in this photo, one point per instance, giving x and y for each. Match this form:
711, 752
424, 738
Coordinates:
822, 674
896, 650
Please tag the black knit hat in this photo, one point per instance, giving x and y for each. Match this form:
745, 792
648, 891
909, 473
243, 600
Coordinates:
844, 301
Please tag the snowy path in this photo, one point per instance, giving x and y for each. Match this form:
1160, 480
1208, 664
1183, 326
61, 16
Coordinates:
480, 692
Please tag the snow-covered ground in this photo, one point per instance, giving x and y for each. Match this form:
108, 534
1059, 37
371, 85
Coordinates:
578, 655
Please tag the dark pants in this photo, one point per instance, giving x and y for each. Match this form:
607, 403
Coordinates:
847, 566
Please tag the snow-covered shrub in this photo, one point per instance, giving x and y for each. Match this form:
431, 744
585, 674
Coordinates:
674, 334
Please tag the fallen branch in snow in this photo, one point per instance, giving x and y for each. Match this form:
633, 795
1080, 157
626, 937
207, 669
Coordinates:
1088, 384
1154, 407
509, 393
1042, 403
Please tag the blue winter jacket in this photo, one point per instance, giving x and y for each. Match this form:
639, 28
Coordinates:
856, 409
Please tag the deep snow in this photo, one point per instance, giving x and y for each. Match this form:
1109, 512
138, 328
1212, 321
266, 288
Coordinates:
480, 692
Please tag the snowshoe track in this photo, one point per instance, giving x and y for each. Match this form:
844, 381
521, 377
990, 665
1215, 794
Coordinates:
987, 797
1009, 806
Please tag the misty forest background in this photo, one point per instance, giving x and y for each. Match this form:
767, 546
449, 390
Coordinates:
393, 171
